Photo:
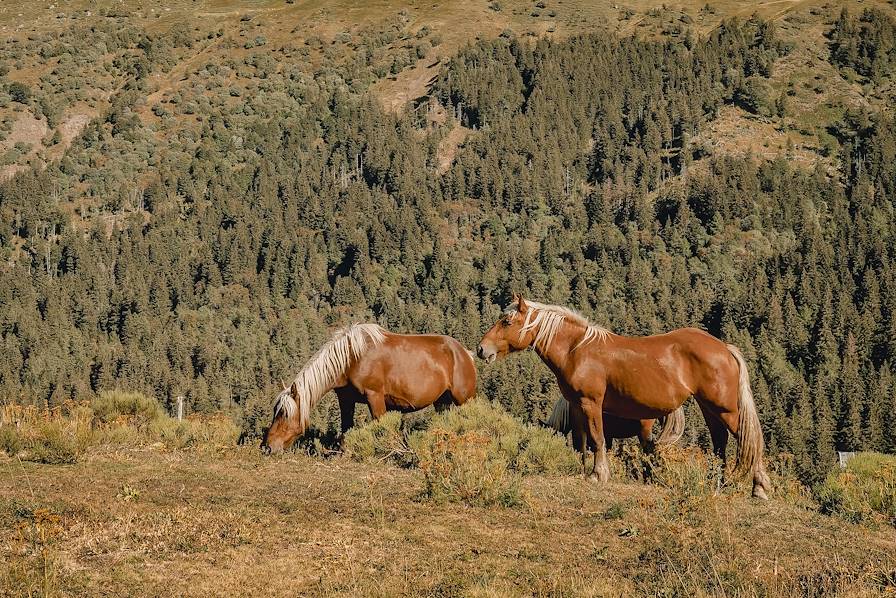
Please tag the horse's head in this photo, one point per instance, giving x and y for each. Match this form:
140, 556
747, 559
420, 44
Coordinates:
287, 423
507, 335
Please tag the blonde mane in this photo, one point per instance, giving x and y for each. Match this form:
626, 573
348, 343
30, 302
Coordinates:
325, 367
546, 319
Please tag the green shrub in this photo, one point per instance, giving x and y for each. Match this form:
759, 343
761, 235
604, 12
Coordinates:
381, 440
863, 492
19, 92
528, 449
474, 454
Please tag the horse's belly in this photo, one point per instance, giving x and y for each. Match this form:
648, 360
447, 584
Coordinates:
405, 404
636, 405
414, 392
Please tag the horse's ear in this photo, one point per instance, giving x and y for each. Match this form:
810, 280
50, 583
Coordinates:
521, 304
294, 391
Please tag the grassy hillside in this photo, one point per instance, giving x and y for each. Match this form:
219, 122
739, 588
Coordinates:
234, 523
142, 507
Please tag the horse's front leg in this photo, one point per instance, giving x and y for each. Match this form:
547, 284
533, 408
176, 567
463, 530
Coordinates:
347, 401
594, 414
376, 401
578, 427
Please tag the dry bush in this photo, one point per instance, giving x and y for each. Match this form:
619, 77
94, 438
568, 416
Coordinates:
528, 449
688, 472
58, 435
466, 468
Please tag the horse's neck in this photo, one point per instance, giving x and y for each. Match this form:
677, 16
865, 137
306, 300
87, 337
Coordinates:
557, 354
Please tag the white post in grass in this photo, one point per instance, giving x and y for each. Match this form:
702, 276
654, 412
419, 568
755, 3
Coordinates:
180, 408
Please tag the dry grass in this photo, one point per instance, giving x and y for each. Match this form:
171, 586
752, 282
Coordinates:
64, 434
865, 491
236, 523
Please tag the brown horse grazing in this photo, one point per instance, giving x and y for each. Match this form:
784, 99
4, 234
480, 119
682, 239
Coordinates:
620, 428
364, 363
636, 378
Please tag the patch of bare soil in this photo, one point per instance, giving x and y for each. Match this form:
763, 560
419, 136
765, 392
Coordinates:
26, 129
449, 145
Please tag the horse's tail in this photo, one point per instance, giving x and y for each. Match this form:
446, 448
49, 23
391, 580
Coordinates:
673, 427
559, 419
750, 444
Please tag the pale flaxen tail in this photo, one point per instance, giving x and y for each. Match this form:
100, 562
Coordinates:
750, 444
673, 427
559, 419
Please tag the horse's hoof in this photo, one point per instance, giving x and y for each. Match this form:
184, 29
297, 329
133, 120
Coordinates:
759, 492
593, 478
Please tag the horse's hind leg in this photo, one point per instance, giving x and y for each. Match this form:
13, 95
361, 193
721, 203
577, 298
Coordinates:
648, 447
446, 401
761, 482
718, 433
577, 427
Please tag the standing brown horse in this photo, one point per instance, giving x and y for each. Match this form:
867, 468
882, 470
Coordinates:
636, 378
364, 363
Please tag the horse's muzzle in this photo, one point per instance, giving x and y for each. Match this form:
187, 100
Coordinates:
487, 355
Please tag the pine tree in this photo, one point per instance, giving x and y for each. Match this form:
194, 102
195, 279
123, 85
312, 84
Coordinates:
852, 400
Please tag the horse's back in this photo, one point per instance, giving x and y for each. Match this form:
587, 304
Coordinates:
413, 369
706, 349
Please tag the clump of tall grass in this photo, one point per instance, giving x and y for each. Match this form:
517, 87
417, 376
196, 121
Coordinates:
688, 472
55, 436
64, 433
862, 492
127, 407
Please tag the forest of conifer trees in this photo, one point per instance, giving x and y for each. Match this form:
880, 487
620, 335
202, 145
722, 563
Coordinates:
306, 205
